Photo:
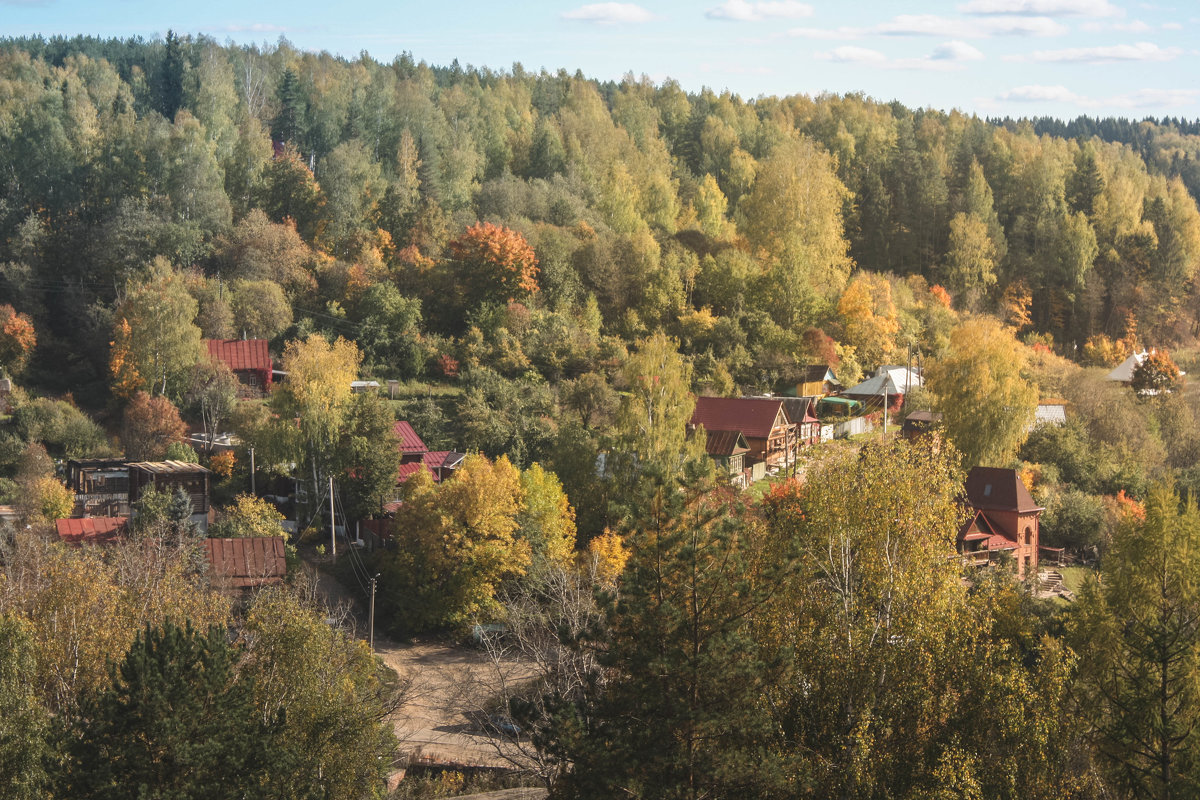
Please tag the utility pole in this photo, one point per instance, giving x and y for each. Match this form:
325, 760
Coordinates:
253, 490
332, 521
883, 389
371, 613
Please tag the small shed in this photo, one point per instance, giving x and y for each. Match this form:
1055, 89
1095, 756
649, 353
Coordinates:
246, 563
167, 476
100, 485
91, 530
918, 423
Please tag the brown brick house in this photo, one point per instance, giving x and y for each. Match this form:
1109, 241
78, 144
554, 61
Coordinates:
1004, 520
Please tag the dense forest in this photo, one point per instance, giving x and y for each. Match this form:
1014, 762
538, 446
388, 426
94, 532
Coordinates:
553, 268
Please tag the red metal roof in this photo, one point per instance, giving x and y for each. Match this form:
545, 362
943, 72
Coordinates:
724, 444
996, 489
241, 353
241, 563
410, 469
753, 416
409, 441
92, 530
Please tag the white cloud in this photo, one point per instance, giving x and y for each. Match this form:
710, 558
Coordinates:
1158, 98
1141, 51
1172, 26
1041, 94
1042, 8
1161, 99
934, 25
825, 33
945, 58
609, 13
254, 27
744, 11
956, 51
853, 55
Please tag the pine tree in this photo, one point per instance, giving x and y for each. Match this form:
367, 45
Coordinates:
175, 723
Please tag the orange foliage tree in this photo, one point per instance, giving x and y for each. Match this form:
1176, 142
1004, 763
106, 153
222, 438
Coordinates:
121, 365
17, 339
496, 264
151, 425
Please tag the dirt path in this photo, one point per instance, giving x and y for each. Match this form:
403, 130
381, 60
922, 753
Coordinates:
450, 693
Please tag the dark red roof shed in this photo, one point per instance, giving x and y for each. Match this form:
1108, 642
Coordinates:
247, 562
91, 530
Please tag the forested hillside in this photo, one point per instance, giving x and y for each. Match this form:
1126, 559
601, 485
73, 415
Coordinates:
735, 225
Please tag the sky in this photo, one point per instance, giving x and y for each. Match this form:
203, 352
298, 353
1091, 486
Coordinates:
1019, 58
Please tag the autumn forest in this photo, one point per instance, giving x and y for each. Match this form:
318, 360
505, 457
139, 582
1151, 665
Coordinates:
543, 272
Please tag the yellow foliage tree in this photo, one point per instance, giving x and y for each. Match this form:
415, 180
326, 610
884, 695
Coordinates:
869, 319
127, 381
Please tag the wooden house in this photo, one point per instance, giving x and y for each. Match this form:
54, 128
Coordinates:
1004, 519
167, 476
249, 361
764, 422
100, 485
814, 380
728, 449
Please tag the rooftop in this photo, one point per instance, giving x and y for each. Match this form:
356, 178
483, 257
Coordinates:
410, 442
90, 530
753, 416
246, 562
996, 489
240, 354
167, 467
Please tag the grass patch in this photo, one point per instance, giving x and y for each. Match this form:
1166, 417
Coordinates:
1074, 577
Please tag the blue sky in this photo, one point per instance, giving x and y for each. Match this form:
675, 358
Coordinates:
991, 57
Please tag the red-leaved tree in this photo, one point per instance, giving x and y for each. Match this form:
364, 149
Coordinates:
495, 264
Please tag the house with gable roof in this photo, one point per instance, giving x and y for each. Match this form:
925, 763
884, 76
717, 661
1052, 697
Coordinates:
1004, 520
249, 361
769, 434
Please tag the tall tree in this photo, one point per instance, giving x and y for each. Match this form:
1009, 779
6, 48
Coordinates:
986, 403
1138, 635
162, 341
24, 721
176, 722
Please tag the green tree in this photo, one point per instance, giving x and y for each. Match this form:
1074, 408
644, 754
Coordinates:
986, 403
24, 721
970, 268
331, 695
176, 722
248, 516
681, 714
260, 309
1138, 635
368, 456
164, 342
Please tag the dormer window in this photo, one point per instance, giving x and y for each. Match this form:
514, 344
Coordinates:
987, 490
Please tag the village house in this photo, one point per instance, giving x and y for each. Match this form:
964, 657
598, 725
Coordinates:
1004, 520
763, 421
728, 449
814, 380
249, 361
100, 485
919, 423
415, 456
167, 476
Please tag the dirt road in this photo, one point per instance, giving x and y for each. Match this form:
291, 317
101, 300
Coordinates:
450, 696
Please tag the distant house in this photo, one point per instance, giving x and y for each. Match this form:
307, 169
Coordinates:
92, 530
919, 423
815, 380
1050, 412
235, 565
101, 486
442, 463
1004, 520
362, 387
871, 392
249, 361
770, 435
1123, 373
167, 476
728, 449
904, 377
415, 455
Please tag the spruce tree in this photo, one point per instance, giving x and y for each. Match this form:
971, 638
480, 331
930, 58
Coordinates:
174, 723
